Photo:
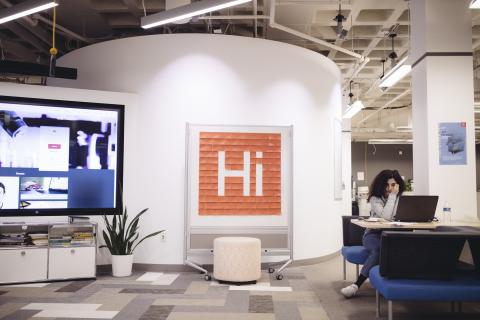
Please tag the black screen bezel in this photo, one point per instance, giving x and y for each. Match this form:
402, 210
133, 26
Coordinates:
120, 109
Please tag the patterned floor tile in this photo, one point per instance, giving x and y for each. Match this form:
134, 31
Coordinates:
20, 315
313, 313
153, 291
287, 311
157, 313
110, 299
61, 306
149, 276
135, 309
219, 316
260, 286
198, 287
76, 314
189, 302
260, 304
28, 285
165, 279
9, 308
75, 286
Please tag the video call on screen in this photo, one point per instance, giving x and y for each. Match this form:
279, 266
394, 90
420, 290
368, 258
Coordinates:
57, 157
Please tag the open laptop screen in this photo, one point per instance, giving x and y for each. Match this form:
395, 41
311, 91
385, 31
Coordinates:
416, 208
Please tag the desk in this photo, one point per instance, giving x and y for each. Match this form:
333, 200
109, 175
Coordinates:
384, 224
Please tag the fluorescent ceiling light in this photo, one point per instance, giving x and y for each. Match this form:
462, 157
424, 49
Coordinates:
353, 109
24, 9
475, 4
395, 74
187, 11
390, 141
404, 128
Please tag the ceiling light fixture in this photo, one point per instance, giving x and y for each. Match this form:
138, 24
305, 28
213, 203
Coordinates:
396, 74
187, 11
353, 108
340, 18
390, 141
475, 4
24, 9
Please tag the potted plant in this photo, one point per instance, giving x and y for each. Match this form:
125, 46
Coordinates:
121, 240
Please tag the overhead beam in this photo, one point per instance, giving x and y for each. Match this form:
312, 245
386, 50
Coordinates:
18, 51
132, 8
25, 35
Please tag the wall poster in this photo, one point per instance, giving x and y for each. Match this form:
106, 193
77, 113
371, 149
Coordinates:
452, 140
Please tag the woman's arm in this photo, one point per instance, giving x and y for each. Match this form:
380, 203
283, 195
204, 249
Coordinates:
381, 210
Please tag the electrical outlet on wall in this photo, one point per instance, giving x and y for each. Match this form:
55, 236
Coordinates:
163, 236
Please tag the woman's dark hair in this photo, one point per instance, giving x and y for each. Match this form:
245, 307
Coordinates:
2, 186
379, 184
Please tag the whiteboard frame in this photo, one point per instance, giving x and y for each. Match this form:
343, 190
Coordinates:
287, 192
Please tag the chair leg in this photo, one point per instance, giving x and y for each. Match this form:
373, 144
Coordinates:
358, 272
377, 297
344, 269
390, 310
459, 306
452, 306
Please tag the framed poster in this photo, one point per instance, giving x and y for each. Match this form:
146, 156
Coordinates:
452, 140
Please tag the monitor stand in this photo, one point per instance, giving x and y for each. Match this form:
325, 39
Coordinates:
78, 219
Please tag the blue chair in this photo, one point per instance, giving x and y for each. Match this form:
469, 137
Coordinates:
352, 250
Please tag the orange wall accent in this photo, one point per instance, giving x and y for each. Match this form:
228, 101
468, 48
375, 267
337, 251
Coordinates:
233, 202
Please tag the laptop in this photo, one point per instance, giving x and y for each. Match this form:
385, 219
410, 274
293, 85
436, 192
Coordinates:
416, 208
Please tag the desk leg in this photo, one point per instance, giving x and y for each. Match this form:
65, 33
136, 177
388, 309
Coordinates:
377, 297
390, 310
344, 269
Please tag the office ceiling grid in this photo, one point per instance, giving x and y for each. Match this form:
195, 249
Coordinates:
367, 21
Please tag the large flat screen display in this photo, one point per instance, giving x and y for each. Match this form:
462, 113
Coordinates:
60, 157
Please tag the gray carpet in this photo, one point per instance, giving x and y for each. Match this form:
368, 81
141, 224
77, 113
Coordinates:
305, 293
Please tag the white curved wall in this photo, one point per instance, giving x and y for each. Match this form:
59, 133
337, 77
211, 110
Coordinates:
212, 79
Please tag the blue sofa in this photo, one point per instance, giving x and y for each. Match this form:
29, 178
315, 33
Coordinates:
422, 266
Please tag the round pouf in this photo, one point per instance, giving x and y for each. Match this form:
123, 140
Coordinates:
237, 259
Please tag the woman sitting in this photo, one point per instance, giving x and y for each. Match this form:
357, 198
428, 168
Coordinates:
387, 186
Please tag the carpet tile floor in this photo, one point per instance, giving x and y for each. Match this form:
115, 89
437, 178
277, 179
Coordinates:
305, 293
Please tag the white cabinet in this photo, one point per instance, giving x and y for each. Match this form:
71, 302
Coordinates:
23, 265
73, 262
42, 252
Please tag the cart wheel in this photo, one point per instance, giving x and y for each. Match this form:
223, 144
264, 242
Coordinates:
271, 270
208, 277
279, 277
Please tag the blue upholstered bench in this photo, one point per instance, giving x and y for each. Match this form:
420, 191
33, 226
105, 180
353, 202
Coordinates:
462, 287
428, 272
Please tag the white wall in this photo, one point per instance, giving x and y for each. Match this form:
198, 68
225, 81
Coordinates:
212, 79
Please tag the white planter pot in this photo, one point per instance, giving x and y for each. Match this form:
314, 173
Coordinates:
122, 265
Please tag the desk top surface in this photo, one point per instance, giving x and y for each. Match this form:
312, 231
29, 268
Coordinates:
384, 224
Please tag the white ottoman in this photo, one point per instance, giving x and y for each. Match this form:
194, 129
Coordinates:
237, 259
